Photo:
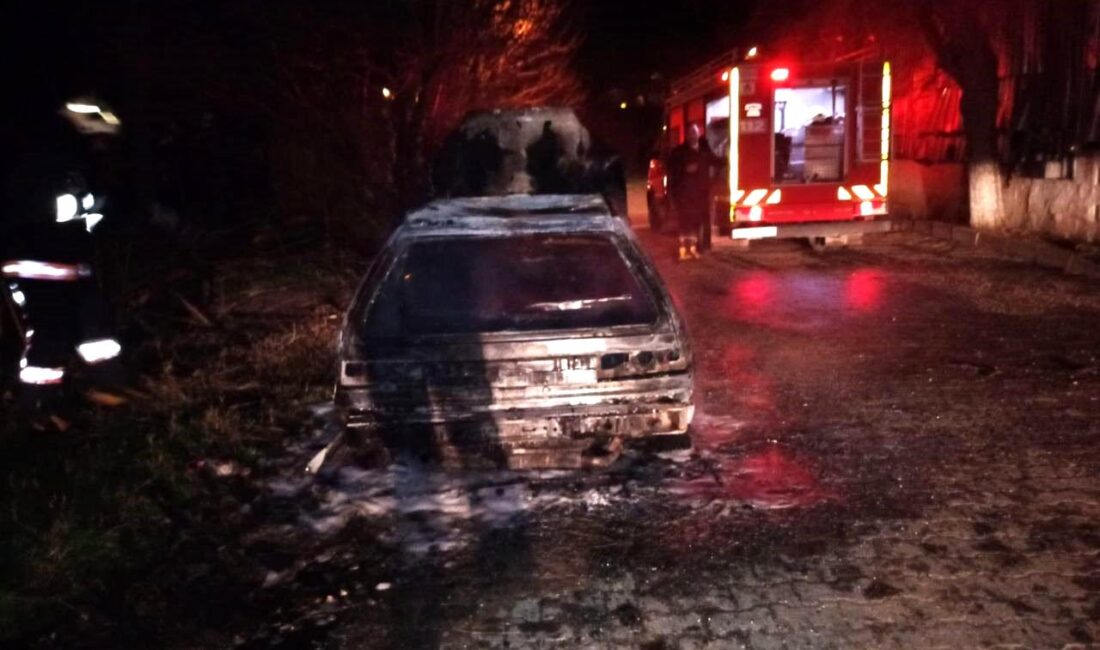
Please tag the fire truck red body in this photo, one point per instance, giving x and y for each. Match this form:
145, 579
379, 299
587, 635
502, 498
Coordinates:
808, 154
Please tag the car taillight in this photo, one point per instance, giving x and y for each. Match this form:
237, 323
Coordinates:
624, 365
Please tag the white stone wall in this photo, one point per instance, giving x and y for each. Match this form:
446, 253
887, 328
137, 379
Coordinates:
1063, 208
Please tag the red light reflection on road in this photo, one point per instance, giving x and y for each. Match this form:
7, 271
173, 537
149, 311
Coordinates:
755, 292
863, 290
804, 302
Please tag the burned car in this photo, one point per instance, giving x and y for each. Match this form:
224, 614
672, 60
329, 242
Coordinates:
527, 331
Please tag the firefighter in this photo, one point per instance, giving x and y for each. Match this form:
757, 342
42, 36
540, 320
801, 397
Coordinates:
52, 208
690, 166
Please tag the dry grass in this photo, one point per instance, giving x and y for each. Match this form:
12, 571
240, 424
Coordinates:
100, 525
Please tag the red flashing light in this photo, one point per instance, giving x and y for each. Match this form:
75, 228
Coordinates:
781, 74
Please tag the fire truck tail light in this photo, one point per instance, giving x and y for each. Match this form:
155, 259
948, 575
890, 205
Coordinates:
755, 197
863, 192
781, 74
842, 194
775, 197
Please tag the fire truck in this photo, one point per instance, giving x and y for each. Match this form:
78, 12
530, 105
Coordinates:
808, 154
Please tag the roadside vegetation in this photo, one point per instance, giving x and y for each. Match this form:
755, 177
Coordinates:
125, 522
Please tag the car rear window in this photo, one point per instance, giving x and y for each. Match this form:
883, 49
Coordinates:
525, 283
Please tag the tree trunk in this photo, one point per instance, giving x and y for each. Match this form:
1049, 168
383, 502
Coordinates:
986, 178
964, 49
986, 195
977, 68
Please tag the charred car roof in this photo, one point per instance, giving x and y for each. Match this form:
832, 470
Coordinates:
513, 213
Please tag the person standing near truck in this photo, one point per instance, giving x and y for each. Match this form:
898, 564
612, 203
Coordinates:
689, 175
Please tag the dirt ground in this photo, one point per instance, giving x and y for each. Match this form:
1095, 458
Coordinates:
897, 445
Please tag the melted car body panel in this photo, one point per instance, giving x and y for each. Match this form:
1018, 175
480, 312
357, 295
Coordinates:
525, 330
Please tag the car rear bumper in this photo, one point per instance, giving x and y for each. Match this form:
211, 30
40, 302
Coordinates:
530, 436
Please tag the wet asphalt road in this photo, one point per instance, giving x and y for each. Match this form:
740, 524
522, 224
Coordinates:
897, 445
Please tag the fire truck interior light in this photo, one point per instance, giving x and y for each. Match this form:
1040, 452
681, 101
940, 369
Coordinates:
88, 202
781, 74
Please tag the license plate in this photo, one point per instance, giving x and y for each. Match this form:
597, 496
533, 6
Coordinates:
578, 376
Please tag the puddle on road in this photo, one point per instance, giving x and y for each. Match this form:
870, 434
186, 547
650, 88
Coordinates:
426, 510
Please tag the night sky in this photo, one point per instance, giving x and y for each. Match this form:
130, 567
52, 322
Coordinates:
627, 41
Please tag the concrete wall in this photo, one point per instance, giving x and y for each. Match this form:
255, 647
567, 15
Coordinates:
919, 191
1062, 208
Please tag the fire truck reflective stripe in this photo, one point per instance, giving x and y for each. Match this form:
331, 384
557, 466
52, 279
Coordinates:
756, 213
41, 376
884, 166
842, 194
33, 270
872, 208
66, 208
775, 197
755, 197
863, 192
758, 232
735, 138
100, 350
